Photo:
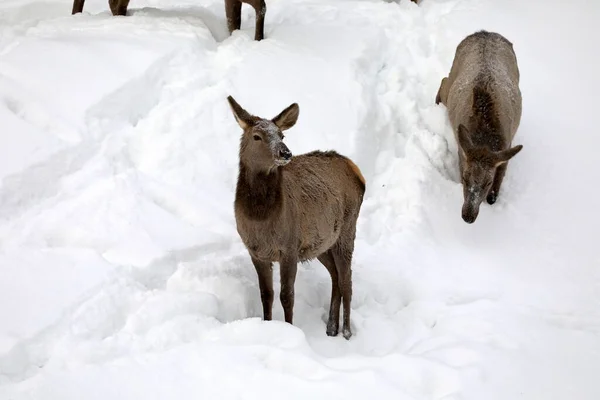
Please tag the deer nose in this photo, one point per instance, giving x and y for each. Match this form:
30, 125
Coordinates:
469, 219
469, 213
285, 154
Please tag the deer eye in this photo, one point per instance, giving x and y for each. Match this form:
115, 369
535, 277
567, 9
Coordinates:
256, 137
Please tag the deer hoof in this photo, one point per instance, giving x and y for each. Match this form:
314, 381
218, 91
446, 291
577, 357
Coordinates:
347, 333
491, 198
332, 329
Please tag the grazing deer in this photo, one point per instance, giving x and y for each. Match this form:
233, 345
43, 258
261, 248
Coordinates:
117, 7
290, 209
233, 10
483, 100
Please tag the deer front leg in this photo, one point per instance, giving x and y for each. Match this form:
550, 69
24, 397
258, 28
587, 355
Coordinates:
233, 11
289, 267
264, 270
495, 189
261, 11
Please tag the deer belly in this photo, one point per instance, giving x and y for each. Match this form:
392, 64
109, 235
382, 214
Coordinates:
317, 246
264, 252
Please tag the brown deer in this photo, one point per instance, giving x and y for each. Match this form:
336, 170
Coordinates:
117, 7
483, 101
233, 11
290, 209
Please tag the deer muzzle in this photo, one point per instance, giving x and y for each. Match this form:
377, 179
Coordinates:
283, 155
470, 210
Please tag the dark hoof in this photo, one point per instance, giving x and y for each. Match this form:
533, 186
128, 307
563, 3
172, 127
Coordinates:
347, 333
491, 198
332, 329
438, 99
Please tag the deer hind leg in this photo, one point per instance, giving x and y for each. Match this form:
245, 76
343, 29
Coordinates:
77, 6
333, 323
233, 11
261, 10
342, 255
495, 189
442, 94
264, 270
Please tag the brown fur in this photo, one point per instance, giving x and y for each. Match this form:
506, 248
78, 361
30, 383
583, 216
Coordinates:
293, 209
357, 172
117, 7
484, 106
233, 11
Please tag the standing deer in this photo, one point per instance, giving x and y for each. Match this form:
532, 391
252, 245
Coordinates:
233, 11
117, 7
290, 209
483, 100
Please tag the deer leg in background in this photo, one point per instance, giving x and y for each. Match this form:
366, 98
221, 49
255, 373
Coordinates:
118, 7
122, 9
261, 11
264, 271
288, 269
495, 189
233, 11
77, 6
333, 323
113, 4
442, 93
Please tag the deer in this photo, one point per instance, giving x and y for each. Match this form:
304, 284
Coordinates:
117, 7
291, 209
484, 105
233, 11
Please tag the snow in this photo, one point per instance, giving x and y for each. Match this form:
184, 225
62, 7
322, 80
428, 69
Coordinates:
123, 275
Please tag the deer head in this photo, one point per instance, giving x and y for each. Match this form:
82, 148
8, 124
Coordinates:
478, 169
262, 147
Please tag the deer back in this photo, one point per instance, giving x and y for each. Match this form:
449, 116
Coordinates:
484, 80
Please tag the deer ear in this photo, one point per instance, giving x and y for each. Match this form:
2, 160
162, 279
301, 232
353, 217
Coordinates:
463, 138
506, 155
288, 117
243, 118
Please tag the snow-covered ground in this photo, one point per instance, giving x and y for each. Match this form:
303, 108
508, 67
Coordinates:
121, 272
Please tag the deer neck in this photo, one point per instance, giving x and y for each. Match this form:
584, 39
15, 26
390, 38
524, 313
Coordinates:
486, 134
259, 192
486, 123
